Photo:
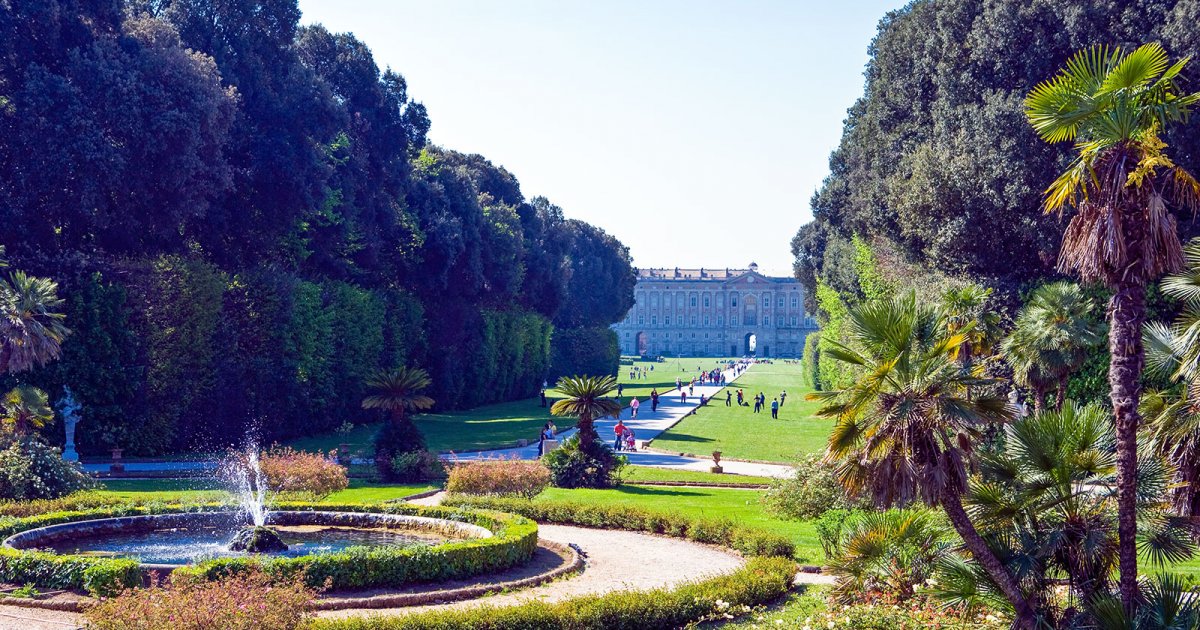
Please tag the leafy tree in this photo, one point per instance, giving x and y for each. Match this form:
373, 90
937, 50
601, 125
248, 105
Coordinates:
1113, 105
1051, 339
904, 427
26, 409
31, 327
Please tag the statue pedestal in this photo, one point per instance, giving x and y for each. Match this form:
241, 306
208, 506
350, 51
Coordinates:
69, 453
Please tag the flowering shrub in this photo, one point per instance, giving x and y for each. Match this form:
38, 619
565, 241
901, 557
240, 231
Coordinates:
30, 469
811, 610
300, 474
412, 466
251, 601
503, 477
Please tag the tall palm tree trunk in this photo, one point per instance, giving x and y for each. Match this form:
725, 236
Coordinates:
587, 430
1127, 310
1061, 395
1039, 400
952, 504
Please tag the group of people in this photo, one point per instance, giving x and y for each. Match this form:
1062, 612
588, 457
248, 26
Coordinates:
760, 401
549, 432
640, 372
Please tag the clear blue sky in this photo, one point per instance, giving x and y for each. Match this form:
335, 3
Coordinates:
694, 131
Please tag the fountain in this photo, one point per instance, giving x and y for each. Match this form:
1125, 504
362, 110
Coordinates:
251, 487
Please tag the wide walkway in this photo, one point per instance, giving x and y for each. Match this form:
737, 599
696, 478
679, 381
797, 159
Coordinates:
647, 426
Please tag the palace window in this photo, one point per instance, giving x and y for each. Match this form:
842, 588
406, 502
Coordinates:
667, 320
766, 320
733, 300
766, 301
706, 301
641, 319
794, 301
734, 320
720, 321
693, 320
654, 320
693, 301
793, 321
706, 320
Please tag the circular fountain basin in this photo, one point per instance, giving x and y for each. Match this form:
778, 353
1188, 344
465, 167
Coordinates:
166, 541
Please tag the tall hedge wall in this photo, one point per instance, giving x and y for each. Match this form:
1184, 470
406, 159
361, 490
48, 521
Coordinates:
176, 354
592, 351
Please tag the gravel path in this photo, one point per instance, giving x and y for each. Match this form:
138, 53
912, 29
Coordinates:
616, 560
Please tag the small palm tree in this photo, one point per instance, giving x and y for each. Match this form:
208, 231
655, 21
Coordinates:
1054, 332
1113, 105
888, 553
586, 398
26, 408
904, 428
31, 326
967, 311
398, 392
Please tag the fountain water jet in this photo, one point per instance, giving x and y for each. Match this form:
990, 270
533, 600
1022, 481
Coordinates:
251, 487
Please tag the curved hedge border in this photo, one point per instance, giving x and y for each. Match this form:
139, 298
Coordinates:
749, 541
513, 543
761, 581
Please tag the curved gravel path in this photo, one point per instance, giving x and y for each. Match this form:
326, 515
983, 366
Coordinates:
615, 560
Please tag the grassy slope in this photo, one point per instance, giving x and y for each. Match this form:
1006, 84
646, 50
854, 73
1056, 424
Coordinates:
634, 474
664, 375
739, 433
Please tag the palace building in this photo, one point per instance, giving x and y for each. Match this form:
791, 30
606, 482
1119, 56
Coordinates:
715, 312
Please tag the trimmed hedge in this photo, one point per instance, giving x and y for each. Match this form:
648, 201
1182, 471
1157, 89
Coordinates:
761, 581
98, 576
747, 540
514, 543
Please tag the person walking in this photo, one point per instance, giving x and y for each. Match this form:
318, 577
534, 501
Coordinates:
757, 405
741, 399
620, 389
654, 400
633, 408
619, 443
775, 409
782, 397
543, 397
728, 399
682, 396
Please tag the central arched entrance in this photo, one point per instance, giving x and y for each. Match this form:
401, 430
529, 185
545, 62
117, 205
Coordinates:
751, 344
643, 344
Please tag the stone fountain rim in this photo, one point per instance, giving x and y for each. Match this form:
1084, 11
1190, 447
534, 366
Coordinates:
27, 540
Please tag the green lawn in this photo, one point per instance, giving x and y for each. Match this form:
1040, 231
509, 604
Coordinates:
741, 506
490, 426
634, 474
663, 377
200, 490
739, 433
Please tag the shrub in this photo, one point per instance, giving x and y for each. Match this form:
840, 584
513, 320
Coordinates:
810, 492
30, 469
98, 576
747, 540
760, 582
574, 467
885, 556
416, 466
510, 477
830, 526
75, 501
400, 454
300, 474
252, 601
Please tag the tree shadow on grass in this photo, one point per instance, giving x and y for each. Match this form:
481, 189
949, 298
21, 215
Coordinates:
685, 437
656, 491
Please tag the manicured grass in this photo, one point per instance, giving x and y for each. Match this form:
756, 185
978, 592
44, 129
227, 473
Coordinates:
490, 426
741, 506
634, 474
201, 490
662, 378
739, 433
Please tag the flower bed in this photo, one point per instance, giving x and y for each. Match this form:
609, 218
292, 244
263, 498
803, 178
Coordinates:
761, 581
746, 540
513, 542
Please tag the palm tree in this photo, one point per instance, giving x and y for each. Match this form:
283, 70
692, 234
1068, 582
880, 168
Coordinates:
398, 392
888, 553
26, 408
31, 326
967, 312
904, 428
586, 398
1173, 352
1113, 106
1053, 334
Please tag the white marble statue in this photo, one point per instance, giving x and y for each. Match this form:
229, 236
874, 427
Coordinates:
68, 408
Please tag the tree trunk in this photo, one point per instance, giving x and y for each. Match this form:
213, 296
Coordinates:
1126, 312
587, 430
1061, 395
1026, 618
1039, 401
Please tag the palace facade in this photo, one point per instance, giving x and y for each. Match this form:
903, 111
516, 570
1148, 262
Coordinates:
715, 312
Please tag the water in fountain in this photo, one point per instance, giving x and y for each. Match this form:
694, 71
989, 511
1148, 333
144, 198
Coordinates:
251, 484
